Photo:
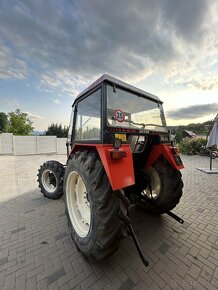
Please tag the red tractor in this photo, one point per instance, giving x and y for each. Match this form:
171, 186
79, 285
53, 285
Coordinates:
119, 153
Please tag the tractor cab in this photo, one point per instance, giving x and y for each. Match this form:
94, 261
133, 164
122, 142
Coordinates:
110, 109
110, 106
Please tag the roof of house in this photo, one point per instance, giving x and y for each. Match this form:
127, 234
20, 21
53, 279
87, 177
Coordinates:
190, 133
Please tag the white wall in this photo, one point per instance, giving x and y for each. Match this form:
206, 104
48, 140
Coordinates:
61, 146
6, 141
46, 144
25, 145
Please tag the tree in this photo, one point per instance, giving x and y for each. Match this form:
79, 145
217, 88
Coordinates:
178, 136
57, 130
91, 133
19, 124
3, 122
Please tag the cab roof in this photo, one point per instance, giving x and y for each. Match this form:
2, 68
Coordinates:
121, 84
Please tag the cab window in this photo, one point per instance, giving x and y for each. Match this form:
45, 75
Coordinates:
88, 121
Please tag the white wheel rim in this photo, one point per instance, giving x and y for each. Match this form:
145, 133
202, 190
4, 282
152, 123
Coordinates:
47, 181
77, 204
155, 184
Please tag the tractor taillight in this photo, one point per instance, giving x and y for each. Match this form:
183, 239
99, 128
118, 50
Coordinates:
118, 154
175, 150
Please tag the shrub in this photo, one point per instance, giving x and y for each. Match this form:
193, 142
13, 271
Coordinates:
191, 146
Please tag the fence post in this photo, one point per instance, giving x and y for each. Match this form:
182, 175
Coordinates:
13, 145
0, 145
37, 149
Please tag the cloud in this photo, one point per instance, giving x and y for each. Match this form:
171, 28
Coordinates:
206, 83
33, 116
56, 101
11, 103
64, 81
193, 112
84, 39
11, 67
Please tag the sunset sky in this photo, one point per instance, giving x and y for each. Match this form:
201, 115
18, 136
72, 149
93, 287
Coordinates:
51, 50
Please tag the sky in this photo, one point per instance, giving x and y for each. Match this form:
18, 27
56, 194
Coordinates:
51, 50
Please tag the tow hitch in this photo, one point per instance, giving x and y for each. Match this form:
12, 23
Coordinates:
138, 247
126, 220
175, 217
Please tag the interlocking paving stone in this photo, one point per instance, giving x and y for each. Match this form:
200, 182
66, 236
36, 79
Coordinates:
89, 281
10, 281
163, 248
60, 236
18, 230
141, 285
127, 285
61, 215
20, 282
29, 211
210, 198
199, 209
37, 252
42, 284
194, 271
31, 283
186, 225
66, 278
56, 275
3, 261
77, 280
87, 268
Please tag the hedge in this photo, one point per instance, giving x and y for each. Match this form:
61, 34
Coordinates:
191, 146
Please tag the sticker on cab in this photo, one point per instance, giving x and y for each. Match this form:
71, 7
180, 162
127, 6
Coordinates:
121, 137
119, 115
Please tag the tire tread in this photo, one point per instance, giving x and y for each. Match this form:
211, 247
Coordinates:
107, 206
58, 169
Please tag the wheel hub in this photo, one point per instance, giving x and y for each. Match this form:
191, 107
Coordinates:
52, 179
78, 204
49, 181
154, 189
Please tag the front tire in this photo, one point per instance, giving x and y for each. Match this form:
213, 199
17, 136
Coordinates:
165, 188
91, 207
50, 179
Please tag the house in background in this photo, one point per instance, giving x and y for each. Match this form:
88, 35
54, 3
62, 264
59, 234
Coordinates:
189, 134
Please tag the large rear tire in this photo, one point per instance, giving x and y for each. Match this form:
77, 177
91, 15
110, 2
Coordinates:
165, 188
91, 207
50, 179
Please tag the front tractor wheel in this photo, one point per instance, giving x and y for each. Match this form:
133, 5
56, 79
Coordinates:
50, 179
91, 207
164, 190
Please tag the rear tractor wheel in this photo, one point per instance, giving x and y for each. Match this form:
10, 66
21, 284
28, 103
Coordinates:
165, 189
91, 207
50, 179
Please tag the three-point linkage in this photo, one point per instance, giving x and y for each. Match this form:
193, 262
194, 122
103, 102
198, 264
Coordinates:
126, 220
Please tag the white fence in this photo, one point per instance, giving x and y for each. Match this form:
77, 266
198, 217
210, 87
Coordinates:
25, 145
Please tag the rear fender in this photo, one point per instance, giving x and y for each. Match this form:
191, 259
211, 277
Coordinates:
166, 151
120, 172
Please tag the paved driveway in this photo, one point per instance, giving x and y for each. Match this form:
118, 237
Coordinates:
36, 251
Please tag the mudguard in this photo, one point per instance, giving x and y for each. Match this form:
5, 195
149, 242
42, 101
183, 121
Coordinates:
167, 152
120, 172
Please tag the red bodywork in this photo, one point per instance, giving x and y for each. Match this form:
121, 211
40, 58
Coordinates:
120, 172
167, 152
